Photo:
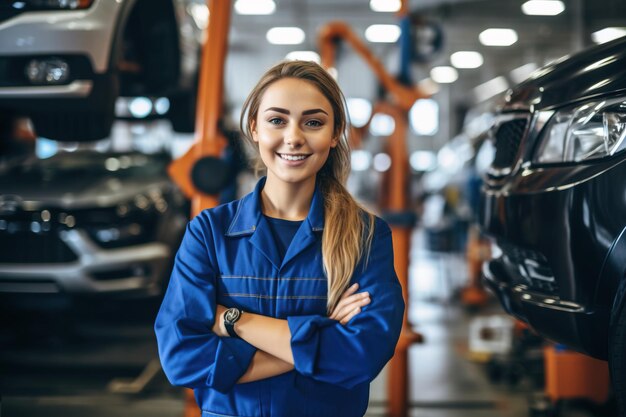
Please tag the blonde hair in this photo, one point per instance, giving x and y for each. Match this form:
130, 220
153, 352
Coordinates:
348, 227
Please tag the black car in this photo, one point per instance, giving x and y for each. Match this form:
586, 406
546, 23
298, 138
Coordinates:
554, 202
86, 223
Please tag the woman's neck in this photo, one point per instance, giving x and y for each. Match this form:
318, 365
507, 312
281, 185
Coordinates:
287, 201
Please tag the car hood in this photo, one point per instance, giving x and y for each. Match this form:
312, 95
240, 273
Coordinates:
82, 179
596, 71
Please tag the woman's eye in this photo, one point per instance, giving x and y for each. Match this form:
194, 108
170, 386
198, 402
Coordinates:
314, 123
275, 121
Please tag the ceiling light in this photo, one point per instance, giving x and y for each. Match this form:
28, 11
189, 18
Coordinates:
543, 7
360, 160
424, 117
608, 34
382, 162
423, 161
359, 110
285, 36
444, 75
385, 5
255, 7
466, 59
382, 33
498, 37
382, 125
304, 56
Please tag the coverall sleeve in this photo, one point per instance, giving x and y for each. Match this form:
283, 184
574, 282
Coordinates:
351, 354
191, 354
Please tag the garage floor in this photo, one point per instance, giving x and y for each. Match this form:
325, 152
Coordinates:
61, 366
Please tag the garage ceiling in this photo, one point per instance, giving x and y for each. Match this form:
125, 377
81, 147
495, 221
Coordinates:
541, 39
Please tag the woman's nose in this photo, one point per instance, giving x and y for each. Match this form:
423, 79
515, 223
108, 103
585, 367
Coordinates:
294, 136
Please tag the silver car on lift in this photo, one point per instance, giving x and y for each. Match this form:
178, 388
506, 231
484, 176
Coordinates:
63, 63
88, 223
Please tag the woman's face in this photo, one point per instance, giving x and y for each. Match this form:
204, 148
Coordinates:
294, 131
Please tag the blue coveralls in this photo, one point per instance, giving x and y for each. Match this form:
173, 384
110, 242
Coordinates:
228, 257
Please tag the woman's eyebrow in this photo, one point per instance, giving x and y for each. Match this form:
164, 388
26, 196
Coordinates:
304, 113
277, 109
313, 111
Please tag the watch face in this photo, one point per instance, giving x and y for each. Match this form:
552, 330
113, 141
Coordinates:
232, 315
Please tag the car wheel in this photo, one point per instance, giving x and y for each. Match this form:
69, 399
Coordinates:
617, 360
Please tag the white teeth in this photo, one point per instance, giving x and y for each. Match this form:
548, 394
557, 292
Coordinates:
293, 157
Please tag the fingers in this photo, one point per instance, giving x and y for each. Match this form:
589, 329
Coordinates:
347, 305
351, 290
347, 318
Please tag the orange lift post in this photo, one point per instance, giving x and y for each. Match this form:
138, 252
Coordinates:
403, 98
210, 142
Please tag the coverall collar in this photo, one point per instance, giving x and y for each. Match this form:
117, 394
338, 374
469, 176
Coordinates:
249, 221
249, 213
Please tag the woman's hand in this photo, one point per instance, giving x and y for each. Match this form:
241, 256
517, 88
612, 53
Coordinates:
350, 304
218, 326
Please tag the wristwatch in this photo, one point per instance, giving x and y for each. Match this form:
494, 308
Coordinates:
232, 316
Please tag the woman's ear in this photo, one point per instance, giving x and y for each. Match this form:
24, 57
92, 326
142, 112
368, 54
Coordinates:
253, 130
334, 142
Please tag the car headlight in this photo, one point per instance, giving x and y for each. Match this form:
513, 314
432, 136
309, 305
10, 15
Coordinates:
30, 5
588, 131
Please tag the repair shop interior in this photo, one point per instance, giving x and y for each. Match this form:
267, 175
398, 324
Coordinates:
486, 135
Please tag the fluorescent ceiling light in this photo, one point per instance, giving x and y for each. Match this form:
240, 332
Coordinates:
255, 7
360, 160
519, 74
382, 125
424, 117
444, 75
304, 56
359, 110
423, 161
543, 7
498, 37
285, 36
608, 34
466, 59
385, 5
382, 33
489, 89
382, 162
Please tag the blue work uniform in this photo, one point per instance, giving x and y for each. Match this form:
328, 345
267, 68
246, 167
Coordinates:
228, 256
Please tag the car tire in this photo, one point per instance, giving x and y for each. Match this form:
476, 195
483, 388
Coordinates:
617, 360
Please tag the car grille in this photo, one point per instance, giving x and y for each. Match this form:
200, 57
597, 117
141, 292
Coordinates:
24, 238
508, 137
28, 247
530, 268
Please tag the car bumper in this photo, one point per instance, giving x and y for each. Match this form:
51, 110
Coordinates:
136, 270
580, 327
87, 32
553, 233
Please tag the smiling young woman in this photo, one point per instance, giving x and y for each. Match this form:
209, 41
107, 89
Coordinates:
263, 315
